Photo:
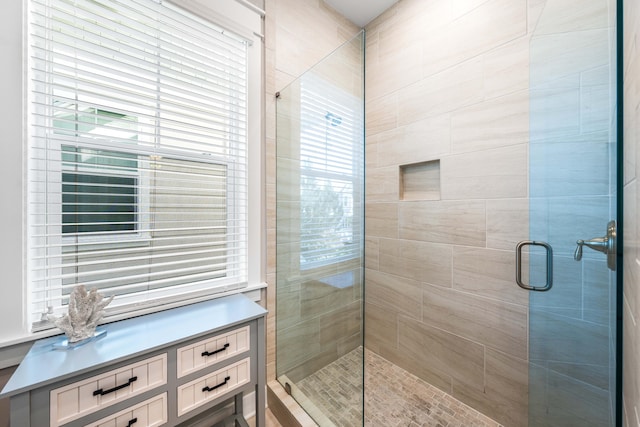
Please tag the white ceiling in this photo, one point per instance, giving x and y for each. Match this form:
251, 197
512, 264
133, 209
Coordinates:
360, 12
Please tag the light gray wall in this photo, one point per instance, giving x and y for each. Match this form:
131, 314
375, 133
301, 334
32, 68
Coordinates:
11, 173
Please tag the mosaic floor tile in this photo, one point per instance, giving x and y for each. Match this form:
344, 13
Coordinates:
393, 397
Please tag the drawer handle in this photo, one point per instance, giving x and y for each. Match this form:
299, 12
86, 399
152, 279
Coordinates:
216, 386
211, 353
132, 422
116, 388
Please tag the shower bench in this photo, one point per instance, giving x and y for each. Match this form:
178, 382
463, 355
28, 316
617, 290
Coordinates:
180, 366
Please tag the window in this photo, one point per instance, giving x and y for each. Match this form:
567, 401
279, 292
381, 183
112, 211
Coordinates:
330, 161
138, 177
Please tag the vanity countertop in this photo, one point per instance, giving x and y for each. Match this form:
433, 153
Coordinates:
128, 338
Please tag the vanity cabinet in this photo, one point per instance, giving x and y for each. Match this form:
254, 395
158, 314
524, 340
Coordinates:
187, 366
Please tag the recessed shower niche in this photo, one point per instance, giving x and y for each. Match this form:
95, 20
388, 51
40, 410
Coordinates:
420, 181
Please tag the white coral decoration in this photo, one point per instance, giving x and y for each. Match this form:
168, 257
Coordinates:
85, 312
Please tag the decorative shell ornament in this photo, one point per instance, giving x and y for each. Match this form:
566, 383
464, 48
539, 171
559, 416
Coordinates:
85, 312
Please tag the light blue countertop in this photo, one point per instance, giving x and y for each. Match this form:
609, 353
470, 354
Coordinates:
129, 338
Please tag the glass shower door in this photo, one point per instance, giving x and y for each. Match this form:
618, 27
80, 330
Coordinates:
319, 237
572, 201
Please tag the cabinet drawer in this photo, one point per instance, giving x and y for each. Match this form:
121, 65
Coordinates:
150, 413
212, 350
86, 396
209, 387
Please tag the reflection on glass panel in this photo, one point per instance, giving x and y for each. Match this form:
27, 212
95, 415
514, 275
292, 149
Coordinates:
319, 209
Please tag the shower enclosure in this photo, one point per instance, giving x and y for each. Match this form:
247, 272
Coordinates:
319, 236
572, 207
470, 193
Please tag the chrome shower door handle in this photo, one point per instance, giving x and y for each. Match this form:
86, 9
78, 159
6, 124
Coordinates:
549, 251
606, 245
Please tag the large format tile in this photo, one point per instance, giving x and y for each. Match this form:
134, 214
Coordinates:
339, 324
480, 29
493, 323
488, 273
421, 261
433, 348
381, 328
495, 123
454, 88
487, 174
505, 394
452, 222
506, 68
382, 114
563, 54
399, 294
382, 184
572, 16
562, 339
424, 140
507, 223
561, 168
297, 344
382, 220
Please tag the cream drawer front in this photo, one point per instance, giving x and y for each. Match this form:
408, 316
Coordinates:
205, 389
150, 413
212, 350
84, 397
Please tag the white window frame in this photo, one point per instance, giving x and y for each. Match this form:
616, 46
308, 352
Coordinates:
247, 21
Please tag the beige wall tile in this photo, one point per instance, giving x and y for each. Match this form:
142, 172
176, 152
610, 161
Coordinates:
456, 87
452, 222
338, 325
505, 393
297, 344
382, 114
572, 16
491, 24
318, 298
571, 401
381, 220
506, 68
498, 122
405, 60
399, 294
496, 324
489, 174
441, 351
382, 185
372, 253
556, 56
507, 223
424, 140
489, 273
381, 331
573, 341
534, 12
421, 261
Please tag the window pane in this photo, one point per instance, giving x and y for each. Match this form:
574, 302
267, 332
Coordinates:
93, 203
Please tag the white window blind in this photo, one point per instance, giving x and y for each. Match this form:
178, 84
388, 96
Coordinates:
137, 154
331, 162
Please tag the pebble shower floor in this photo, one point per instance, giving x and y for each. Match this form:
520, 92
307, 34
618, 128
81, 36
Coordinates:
393, 397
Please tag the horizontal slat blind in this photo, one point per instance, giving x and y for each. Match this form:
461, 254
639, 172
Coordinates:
137, 154
331, 147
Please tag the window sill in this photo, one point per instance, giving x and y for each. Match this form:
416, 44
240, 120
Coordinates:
13, 350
